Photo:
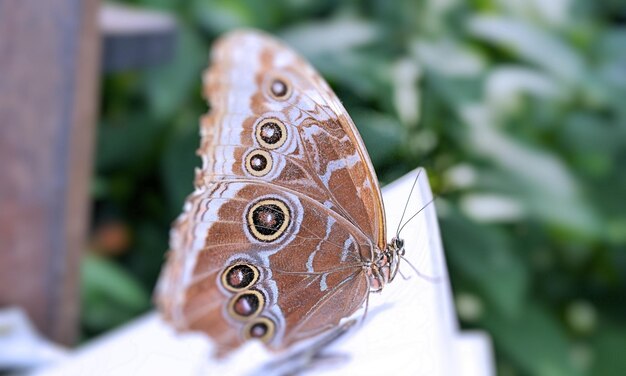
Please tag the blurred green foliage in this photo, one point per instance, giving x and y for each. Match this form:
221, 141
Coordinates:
517, 109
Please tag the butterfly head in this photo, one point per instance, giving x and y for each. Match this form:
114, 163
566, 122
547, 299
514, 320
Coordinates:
385, 266
395, 251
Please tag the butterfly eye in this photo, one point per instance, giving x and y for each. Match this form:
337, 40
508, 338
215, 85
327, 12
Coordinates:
239, 277
259, 163
246, 304
279, 88
268, 219
271, 133
261, 328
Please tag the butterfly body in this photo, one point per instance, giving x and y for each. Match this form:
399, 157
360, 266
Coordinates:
284, 235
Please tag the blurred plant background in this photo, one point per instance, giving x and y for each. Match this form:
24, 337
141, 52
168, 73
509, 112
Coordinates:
517, 108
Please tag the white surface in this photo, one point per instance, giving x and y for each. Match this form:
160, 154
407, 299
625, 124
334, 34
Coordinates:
411, 327
21, 347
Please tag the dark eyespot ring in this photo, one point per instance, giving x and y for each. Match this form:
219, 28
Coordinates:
268, 219
261, 328
279, 88
246, 304
258, 162
271, 133
239, 277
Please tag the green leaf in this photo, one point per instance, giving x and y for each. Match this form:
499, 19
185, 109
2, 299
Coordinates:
109, 294
534, 340
484, 255
361, 75
449, 58
608, 350
334, 36
538, 177
220, 16
382, 134
126, 141
147, 254
178, 162
171, 87
506, 86
530, 43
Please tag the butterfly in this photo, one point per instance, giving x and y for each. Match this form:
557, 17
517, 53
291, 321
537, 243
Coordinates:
284, 234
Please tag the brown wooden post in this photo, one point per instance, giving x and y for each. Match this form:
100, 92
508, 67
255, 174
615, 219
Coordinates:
49, 57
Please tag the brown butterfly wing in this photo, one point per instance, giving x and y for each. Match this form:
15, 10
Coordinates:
286, 208
213, 233
322, 153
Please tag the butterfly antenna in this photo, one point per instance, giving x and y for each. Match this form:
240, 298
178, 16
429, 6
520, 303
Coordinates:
415, 215
419, 274
407, 201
